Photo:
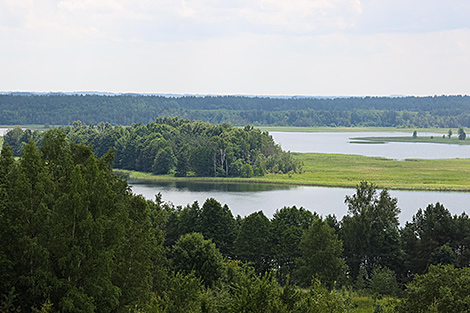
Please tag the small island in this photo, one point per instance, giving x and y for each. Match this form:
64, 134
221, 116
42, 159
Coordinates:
458, 139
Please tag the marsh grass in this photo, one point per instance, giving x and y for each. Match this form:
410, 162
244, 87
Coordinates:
340, 170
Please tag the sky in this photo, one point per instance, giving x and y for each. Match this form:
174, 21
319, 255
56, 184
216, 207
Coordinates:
243, 47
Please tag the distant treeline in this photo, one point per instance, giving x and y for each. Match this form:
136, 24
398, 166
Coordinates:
179, 146
436, 111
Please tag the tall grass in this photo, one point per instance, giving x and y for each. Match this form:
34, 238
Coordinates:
339, 170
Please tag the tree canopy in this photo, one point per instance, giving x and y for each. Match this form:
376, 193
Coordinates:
71, 233
75, 239
62, 109
177, 145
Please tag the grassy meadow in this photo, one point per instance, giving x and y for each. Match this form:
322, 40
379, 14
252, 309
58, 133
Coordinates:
337, 170
341, 170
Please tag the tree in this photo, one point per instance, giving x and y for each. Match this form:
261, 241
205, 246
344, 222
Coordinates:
462, 134
216, 222
14, 138
287, 227
442, 289
370, 230
429, 230
415, 134
321, 256
246, 171
383, 281
77, 239
184, 293
443, 255
202, 160
449, 133
182, 165
164, 161
253, 293
253, 243
194, 253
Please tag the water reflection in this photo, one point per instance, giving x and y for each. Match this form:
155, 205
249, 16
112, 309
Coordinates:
244, 199
213, 186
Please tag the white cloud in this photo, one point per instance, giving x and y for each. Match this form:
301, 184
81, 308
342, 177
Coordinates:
413, 16
315, 47
91, 5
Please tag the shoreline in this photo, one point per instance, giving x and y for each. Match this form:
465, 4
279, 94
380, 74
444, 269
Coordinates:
169, 179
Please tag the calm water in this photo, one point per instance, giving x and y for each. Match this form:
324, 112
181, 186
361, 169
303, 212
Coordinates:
244, 199
340, 143
3, 131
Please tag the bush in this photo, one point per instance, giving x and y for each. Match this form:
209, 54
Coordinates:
442, 289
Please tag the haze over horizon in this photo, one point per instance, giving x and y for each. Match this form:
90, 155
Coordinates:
260, 47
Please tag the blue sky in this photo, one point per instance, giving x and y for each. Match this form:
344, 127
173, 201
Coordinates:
255, 47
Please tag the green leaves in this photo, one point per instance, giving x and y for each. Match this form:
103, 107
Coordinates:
321, 256
194, 147
72, 232
442, 289
193, 253
370, 231
253, 243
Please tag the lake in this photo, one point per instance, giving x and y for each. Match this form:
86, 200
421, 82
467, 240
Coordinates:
339, 143
3, 131
244, 199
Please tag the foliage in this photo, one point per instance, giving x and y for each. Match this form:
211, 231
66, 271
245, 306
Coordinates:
184, 293
61, 109
218, 224
287, 227
75, 239
370, 231
442, 289
193, 253
213, 220
73, 235
347, 171
434, 236
462, 134
320, 299
197, 148
321, 256
253, 243
383, 282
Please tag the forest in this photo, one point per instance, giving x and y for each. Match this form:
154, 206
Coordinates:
126, 109
179, 146
76, 239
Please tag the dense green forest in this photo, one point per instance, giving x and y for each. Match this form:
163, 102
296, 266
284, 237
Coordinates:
61, 109
176, 145
75, 239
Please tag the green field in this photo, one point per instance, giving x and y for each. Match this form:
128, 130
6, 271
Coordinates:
338, 170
